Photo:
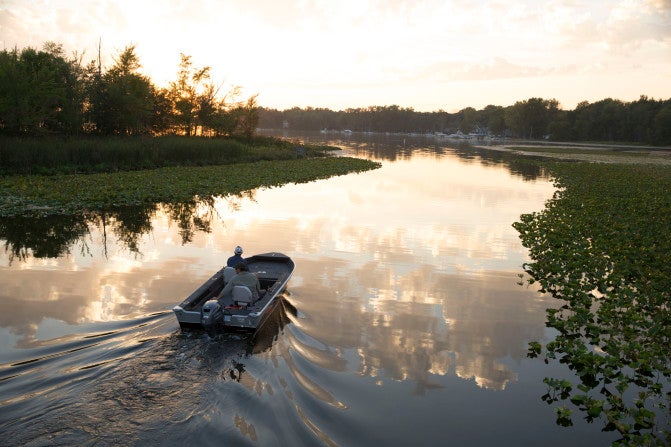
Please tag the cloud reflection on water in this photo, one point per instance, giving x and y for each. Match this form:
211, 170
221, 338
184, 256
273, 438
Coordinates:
412, 266
423, 323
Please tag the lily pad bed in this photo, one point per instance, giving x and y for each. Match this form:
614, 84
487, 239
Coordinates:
602, 248
73, 193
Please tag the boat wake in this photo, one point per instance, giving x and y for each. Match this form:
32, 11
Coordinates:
140, 385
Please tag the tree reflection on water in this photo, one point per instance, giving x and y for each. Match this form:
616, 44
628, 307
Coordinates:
57, 235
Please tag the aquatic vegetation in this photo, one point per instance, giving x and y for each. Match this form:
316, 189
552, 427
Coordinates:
629, 152
52, 155
72, 193
602, 247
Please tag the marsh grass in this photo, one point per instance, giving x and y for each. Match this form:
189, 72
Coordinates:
51, 155
46, 176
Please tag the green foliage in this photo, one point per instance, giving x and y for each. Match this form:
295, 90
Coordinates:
96, 154
122, 101
42, 92
602, 247
67, 194
531, 118
248, 118
39, 91
645, 121
184, 94
602, 120
42, 238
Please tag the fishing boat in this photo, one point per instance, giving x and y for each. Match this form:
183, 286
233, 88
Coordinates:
202, 310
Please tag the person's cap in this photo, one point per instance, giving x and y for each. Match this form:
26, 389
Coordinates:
238, 250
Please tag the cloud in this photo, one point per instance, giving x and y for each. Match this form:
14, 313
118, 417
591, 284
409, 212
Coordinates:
625, 26
494, 69
297, 47
631, 23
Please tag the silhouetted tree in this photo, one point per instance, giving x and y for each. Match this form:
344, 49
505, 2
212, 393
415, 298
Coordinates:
530, 118
39, 91
662, 124
122, 100
468, 119
184, 92
42, 92
494, 118
248, 118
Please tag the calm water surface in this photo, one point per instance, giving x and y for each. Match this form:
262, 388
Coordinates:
402, 325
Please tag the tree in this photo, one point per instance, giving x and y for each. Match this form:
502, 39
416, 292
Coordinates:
184, 93
468, 119
248, 118
162, 117
611, 119
662, 124
40, 91
69, 114
561, 127
494, 117
582, 121
640, 119
122, 100
530, 118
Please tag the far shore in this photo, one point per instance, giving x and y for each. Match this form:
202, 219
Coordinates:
594, 153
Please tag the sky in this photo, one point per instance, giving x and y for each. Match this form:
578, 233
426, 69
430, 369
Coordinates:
428, 55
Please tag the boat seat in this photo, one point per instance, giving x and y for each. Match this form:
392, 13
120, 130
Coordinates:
242, 295
229, 272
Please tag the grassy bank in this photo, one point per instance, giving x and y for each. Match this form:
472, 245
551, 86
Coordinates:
50, 155
602, 247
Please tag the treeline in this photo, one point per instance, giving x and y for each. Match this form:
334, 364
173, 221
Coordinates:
46, 93
645, 121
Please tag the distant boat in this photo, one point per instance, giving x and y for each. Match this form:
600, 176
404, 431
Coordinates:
347, 131
458, 135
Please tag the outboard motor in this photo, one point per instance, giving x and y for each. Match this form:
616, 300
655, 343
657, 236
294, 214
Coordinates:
212, 315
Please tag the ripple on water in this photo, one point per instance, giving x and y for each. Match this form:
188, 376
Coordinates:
137, 384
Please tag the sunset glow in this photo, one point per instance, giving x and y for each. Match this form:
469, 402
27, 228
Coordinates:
428, 55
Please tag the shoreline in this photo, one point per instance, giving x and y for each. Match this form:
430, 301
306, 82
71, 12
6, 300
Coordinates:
591, 153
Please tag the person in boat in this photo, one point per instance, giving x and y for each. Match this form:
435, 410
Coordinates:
243, 277
236, 259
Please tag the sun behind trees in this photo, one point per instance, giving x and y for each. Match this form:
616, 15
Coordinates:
44, 93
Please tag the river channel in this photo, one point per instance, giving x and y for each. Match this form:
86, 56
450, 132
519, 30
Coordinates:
403, 324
